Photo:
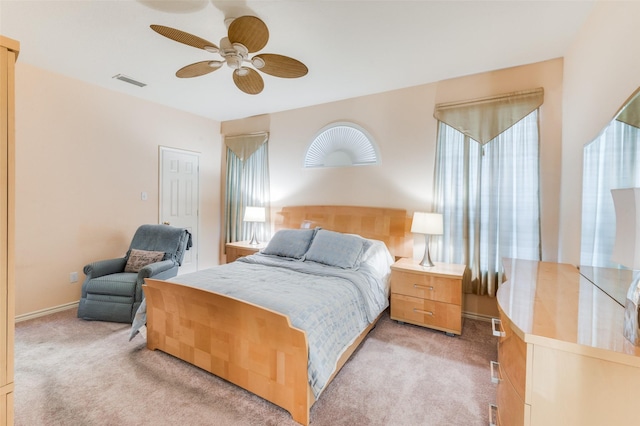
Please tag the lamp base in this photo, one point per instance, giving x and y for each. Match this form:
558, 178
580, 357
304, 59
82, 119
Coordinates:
426, 259
254, 241
631, 321
426, 262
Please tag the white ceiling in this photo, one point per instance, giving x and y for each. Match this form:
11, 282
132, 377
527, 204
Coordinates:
352, 48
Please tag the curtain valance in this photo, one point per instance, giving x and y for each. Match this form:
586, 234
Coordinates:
245, 145
630, 114
484, 119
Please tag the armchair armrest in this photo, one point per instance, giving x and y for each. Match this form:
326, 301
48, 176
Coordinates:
150, 271
154, 269
104, 267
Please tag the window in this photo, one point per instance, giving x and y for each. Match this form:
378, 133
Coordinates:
487, 185
247, 184
341, 145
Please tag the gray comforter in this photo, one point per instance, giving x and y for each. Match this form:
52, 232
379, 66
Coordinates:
333, 306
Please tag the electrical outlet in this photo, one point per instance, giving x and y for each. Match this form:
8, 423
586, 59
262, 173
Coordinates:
73, 277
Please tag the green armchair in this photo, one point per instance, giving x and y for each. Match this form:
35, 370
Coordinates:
112, 289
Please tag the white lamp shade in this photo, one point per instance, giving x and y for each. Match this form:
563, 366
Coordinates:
626, 250
427, 223
254, 214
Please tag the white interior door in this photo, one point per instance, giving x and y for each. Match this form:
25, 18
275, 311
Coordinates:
179, 197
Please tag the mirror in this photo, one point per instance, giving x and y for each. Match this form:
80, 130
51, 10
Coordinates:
610, 161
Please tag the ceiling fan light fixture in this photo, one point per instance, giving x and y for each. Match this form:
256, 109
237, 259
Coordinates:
234, 62
225, 44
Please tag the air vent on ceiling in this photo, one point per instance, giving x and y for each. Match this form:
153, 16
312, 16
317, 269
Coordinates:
129, 80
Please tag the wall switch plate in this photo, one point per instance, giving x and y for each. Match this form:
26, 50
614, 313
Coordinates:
143, 196
73, 277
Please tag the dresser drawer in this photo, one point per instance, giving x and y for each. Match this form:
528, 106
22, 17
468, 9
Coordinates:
424, 286
429, 313
512, 355
511, 408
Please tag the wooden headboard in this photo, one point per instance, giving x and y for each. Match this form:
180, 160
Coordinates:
389, 225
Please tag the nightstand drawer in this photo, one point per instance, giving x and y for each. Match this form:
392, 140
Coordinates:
236, 253
424, 286
443, 316
242, 248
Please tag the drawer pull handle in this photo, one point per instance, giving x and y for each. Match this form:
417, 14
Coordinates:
495, 323
422, 312
493, 415
495, 368
428, 287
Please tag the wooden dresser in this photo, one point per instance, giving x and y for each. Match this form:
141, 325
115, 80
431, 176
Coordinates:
8, 54
242, 248
562, 358
430, 297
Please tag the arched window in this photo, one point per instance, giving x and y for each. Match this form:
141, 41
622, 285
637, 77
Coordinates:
341, 144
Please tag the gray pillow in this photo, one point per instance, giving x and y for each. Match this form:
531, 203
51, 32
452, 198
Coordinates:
336, 249
292, 243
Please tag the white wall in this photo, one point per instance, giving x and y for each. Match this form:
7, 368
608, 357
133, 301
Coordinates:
83, 156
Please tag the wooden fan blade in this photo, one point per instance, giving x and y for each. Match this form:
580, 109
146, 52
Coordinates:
182, 37
196, 70
282, 66
251, 83
249, 31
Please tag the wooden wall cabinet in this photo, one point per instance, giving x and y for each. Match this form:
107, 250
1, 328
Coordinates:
8, 54
562, 357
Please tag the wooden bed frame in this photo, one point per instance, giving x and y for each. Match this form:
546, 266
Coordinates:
256, 348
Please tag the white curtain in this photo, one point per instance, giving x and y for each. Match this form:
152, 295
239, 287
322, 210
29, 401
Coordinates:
247, 184
611, 161
489, 197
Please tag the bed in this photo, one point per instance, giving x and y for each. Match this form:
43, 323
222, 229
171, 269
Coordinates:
228, 319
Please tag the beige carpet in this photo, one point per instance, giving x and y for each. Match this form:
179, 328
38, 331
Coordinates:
73, 372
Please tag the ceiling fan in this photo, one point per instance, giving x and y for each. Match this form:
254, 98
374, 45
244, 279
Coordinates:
246, 34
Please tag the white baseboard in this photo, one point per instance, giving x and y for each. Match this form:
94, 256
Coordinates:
479, 317
47, 311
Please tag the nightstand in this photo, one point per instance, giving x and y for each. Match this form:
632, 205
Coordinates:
242, 248
429, 297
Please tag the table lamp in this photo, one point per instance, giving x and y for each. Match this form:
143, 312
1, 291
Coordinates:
427, 224
253, 215
626, 252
